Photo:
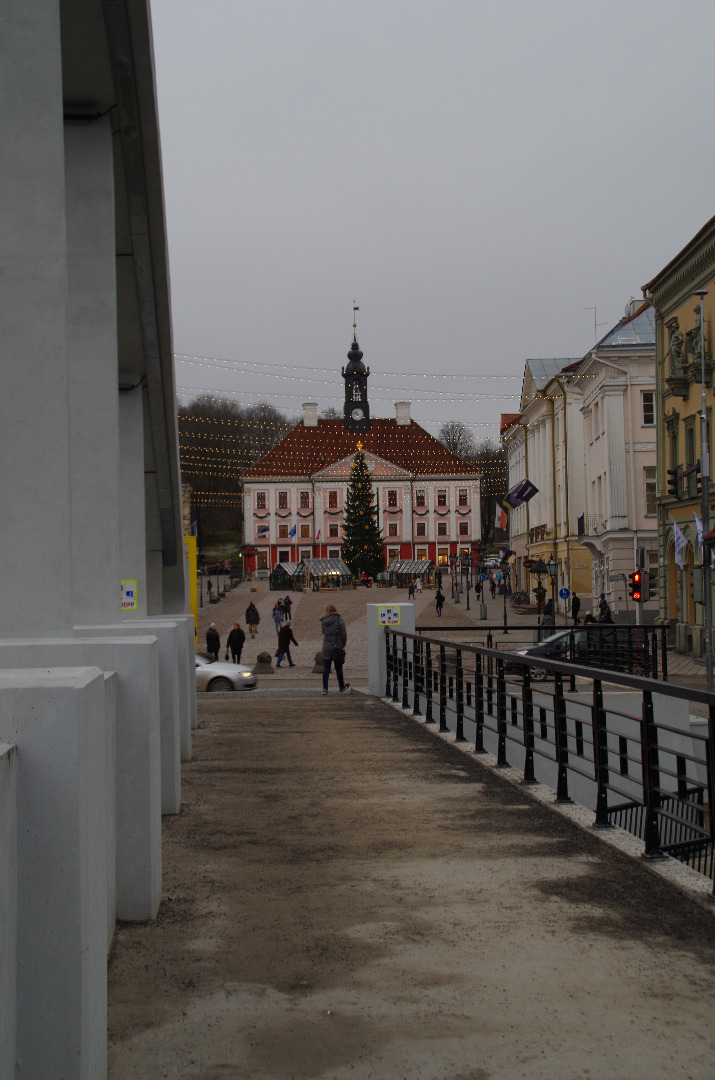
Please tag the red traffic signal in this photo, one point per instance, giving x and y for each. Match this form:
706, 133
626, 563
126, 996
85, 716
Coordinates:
637, 585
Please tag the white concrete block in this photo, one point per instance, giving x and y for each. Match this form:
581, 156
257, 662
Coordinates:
173, 704
138, 759
8, 909
56, 720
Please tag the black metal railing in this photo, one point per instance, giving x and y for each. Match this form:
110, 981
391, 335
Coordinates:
624, 745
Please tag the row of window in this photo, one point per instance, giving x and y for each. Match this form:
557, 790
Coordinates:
303, 532
304, 498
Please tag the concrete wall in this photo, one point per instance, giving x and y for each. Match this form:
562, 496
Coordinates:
56, 718
8, 908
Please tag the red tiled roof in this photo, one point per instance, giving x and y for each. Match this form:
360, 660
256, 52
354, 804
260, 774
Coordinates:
306, 450
508, 419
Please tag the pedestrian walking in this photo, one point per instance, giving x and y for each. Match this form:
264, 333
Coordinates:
234, 642
547, 619
213, 642
493, 587
438, 602
277, 616
575, 608
209, 587
438, 579
287, 607
477, 589
335, 637
604, 612
252, 618
418, 585
411, 591
285, 637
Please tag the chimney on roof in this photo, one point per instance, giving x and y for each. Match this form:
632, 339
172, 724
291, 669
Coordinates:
310, 414
402, 408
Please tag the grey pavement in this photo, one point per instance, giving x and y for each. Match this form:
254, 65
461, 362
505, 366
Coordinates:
347, 895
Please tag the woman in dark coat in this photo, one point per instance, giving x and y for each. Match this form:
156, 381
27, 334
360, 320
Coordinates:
213, 642
335, 637
235, 641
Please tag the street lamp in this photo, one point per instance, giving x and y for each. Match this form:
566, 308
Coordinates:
539, 568
552, 569
504, 572
705, 501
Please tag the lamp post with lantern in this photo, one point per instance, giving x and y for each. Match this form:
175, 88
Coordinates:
552, 569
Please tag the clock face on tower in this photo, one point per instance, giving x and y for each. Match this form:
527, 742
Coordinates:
357, 414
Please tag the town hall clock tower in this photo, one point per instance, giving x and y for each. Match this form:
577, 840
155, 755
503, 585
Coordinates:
356, 411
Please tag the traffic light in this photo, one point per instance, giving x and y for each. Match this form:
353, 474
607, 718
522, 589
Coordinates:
636, 586
675, 482
698, 479
651, 584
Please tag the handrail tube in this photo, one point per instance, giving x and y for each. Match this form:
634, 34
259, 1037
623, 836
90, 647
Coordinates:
418, 676
479, 693
502, 762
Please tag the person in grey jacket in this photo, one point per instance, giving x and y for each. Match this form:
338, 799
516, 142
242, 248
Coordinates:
335, 636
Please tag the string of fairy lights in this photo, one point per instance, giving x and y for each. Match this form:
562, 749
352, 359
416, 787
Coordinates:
208, 446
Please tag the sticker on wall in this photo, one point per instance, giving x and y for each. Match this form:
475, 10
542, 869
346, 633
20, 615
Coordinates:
129, 595
388, 616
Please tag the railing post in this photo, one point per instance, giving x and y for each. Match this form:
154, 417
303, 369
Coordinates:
664, 652
460, 698
388, 663
600, 756
502, 762
527, 706
395, 672
442, 690
561, 738
711, 779
651, 779
417, 652
428, 684
405, 692
479, 700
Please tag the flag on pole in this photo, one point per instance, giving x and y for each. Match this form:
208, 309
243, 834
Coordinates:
194, 528
317, 536
293, 530
680, 543
500, 518
263, 530
520, 494
699, 529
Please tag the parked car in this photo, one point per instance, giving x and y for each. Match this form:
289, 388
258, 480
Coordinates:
219, 676
607, 646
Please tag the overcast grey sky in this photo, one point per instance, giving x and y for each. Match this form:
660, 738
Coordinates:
474, 175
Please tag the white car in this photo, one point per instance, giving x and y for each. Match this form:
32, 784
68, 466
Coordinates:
218, 677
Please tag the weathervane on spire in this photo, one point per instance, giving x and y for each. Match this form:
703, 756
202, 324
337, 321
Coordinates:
355, 309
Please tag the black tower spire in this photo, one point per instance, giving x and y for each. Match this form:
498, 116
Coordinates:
356, 410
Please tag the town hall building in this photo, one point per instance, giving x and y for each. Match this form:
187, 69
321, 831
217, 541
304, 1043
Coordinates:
427, 498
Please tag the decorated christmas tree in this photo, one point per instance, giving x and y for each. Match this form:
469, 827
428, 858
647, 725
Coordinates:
362, 540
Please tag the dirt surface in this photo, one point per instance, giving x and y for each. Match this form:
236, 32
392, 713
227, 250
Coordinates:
347, 896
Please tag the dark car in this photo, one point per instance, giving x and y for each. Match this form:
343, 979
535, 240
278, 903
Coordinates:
608, 646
